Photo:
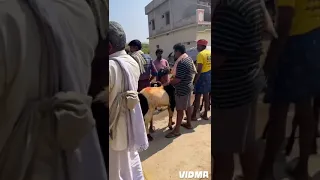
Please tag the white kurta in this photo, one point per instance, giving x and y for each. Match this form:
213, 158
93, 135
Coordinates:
123, 165
28, 79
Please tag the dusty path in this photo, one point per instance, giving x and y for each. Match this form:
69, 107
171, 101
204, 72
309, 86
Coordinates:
188, 152
191, 151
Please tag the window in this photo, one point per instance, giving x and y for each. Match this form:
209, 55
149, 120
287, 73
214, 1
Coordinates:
167, 18
152, 24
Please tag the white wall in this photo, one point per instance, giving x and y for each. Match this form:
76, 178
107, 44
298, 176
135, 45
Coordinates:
166, 42
204, 35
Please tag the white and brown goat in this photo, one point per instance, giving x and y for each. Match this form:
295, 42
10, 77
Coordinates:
153, 97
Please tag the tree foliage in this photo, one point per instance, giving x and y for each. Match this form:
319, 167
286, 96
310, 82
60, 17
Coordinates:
145, 48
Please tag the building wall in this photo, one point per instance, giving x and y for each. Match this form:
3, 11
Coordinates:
160, 21
166, 42
182, 13
204, 35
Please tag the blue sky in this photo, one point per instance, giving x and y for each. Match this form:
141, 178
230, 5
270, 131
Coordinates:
130, 14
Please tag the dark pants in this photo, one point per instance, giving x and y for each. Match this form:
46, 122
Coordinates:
99, 81
299, 69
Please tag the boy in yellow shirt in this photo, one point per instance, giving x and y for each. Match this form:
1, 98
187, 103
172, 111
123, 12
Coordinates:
293, 69
202, 80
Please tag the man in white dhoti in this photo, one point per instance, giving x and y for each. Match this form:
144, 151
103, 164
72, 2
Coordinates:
128, 134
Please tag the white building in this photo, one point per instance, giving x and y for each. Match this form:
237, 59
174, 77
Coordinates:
177, 21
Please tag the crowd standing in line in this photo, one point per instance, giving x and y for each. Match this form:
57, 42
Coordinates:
130, 71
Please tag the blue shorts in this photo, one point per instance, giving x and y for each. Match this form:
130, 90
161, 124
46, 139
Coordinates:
203, 84
298, 75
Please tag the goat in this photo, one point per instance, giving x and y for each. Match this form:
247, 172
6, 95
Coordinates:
153, 97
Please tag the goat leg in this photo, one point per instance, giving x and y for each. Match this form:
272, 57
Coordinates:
170, 123
147, 120
151, 128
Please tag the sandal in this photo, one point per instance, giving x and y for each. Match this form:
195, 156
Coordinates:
186, 125
173, 135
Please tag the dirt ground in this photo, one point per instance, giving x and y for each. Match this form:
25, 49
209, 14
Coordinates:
191, 151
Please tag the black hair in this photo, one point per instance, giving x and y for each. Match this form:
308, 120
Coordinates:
180, 48
203, 46
136, 42
159, 51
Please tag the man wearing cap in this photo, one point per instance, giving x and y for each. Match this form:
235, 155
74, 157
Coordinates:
202, 79
147, 69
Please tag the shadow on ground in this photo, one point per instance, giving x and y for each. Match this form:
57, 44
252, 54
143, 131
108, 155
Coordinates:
160, 142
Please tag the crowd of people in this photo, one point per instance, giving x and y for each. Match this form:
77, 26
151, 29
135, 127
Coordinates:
291, 72
138, 69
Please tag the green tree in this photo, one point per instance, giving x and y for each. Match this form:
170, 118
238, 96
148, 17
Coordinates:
145, 48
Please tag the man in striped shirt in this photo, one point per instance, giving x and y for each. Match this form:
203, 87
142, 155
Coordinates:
237, 27
147, 69
183, 72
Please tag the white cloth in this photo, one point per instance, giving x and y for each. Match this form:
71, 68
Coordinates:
63, 37
125, 164
182, 57
135, 125
137, 56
